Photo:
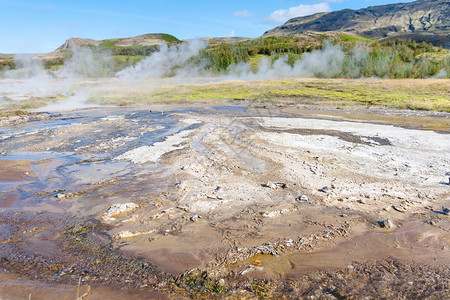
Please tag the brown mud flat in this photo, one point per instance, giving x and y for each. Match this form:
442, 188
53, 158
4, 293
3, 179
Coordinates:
229, 202
13, 170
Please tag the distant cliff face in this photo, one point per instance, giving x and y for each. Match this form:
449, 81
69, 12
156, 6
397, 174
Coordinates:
426, 18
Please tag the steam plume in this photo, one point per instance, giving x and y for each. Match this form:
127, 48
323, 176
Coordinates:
168, 61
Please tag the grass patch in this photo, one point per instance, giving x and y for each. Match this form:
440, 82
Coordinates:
406, 94
169, 38
11, 113
31, 103
349, 38
109, 44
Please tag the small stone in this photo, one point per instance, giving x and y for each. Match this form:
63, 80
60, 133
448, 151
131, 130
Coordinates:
399, 208
324, 189
60, 196
274, 185
195, 218
350, 267
221, 282
3, 153
344, 216
387, 224
445, 210
303, 198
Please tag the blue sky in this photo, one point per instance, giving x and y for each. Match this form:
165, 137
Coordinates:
41, 26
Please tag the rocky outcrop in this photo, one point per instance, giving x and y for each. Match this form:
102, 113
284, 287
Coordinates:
77, 42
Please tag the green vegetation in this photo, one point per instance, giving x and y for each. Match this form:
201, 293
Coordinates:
134, 50
123, 61
349, 38
360, 57
411, 94
31, 103
7, 64
109, 44
169, 38
54, 63
221, 56
363, 57
8, 113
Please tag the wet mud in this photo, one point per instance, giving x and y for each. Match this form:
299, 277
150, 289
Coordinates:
225, 201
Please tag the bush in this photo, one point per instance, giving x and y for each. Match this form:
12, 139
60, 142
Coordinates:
7, 64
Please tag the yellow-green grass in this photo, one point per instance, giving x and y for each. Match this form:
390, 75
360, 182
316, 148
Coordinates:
409, 93
424, 94
31, 103
8, 112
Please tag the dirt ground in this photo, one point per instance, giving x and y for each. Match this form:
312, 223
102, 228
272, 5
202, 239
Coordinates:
229, 201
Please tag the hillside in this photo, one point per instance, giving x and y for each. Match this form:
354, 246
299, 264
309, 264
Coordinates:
422, 20
145, 40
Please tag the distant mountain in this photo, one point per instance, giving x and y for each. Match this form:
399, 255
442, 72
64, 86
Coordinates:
421, 20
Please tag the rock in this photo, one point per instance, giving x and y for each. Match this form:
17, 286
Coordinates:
3, 153
445, 210
276, 213
60, 196
387, 224
303, 198
117, 209
129, 234
324, 189
195, 218
221, 282
256, 263
274, 185
399, 208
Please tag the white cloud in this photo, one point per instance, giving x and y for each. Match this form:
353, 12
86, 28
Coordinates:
243, 13
232, 33
282, 15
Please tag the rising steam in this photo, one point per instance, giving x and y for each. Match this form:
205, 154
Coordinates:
180, 62
326, 62
167, 62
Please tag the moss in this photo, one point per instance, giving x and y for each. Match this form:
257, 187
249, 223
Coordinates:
9, 113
